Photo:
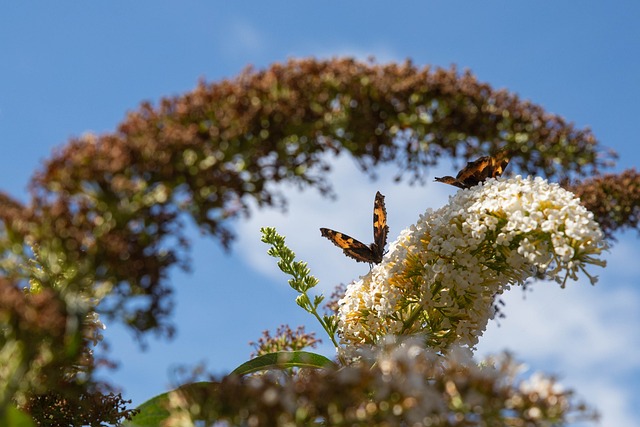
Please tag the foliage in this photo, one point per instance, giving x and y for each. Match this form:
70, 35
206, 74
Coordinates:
302, 281
103, 227
113, 202
404, 384
284, 360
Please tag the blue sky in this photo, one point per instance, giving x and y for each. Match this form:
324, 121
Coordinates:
73, 67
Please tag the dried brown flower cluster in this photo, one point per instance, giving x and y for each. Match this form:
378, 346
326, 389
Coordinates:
46, 350
87, 408
285, 339
32, 341
39, 358
407, 386
614, 199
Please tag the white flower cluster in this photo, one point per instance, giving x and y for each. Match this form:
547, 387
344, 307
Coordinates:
441, 276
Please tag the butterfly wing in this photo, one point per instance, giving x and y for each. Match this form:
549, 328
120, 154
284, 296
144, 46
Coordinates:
351, 247
475, 172
479, 170
499, 163
380, 227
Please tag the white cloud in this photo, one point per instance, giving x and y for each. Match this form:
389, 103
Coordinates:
241, 38
613, 402
623, 258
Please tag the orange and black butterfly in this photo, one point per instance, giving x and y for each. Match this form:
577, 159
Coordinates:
358, 250
479, 170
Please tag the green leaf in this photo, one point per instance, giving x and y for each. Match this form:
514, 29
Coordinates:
14, 417
154, 411
285, 360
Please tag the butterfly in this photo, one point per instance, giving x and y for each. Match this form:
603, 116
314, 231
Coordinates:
358, 250
478, 171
